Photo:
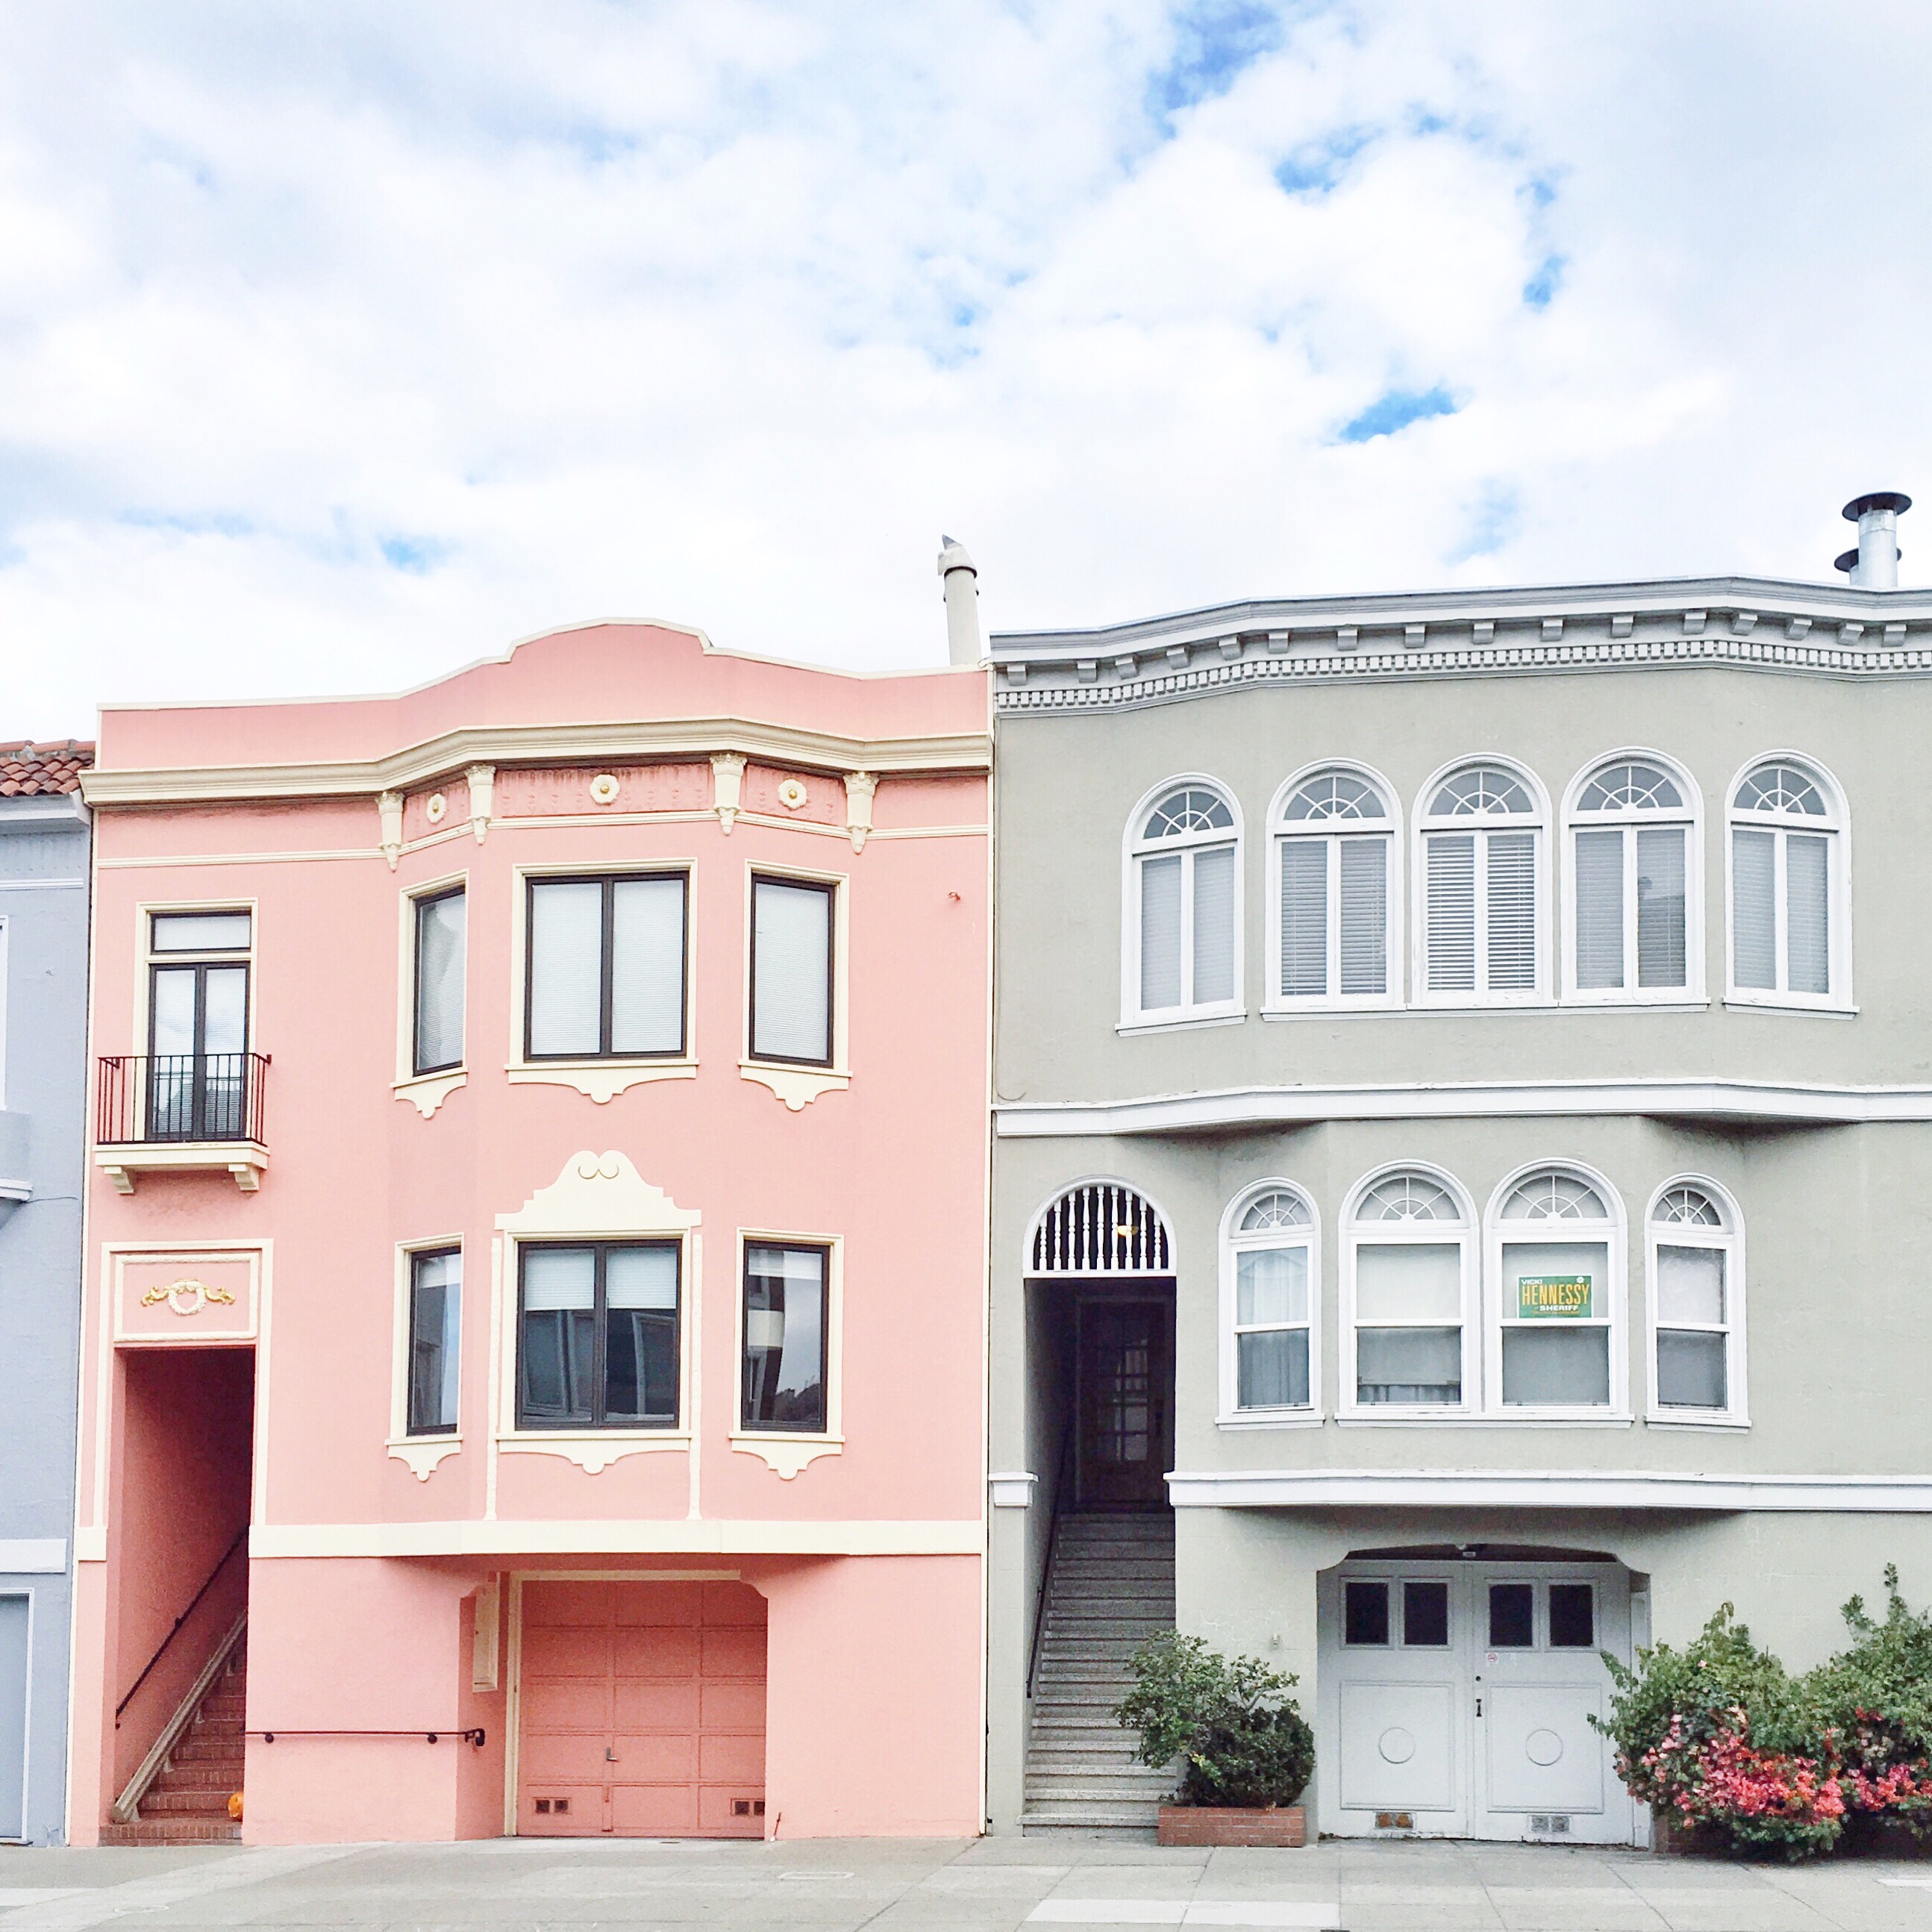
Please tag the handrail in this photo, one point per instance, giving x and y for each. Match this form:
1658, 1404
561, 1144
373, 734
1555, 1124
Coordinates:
126, 1807
1052, 1539
475, 1735
207, 1584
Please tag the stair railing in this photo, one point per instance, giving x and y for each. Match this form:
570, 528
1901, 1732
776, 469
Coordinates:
126, 1807
161, 1649
1052, 1543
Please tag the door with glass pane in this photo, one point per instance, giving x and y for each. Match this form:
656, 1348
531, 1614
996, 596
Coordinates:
1125, 1402
198, 1044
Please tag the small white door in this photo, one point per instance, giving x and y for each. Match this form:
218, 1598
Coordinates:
1455, 1698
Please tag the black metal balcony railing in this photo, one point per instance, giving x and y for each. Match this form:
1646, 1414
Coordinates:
146, 1099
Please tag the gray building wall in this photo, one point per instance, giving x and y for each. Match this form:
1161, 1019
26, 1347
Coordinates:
43, 901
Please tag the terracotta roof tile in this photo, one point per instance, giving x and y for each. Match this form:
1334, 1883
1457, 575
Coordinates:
52, 766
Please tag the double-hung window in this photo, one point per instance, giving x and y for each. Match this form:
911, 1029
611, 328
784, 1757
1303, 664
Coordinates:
436, 1325
1632, 863
1184, 941
794, 970
1482, 848
198, 1025
1697, 1295
605, 970
599, 1335
786, 1313
1333, 939
1406, 1263
1789, 929
1554, 1252
437, 1029
1269, 1286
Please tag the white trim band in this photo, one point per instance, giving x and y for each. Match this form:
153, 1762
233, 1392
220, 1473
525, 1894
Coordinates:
1545, 1489
33, 1555
682, 1538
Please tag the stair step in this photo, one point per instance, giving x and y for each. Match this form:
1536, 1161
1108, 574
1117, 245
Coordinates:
211, 1776
160, 1804
1138, 1820
173, 1831
205, 1750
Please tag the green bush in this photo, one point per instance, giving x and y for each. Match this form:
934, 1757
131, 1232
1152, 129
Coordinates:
1242, 1741
1876, 1698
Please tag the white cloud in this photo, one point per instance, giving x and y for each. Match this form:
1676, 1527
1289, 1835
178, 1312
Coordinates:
340, 346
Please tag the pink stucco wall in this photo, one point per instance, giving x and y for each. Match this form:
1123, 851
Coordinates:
894, 1166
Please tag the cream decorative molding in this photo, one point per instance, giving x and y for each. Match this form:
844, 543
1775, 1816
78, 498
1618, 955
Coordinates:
629, 1536
599, 1194
797, 1087
482, 782
437, 808
786, 1455
423, 1452
593, 1451
793, 795
187, 1297
728, 784
389, 816
599, 1080
1547, 1489
603, 788
427, 1091
245, 1161
860, 786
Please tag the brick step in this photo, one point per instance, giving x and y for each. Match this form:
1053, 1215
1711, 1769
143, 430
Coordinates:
160, 1803
172, 1831
212, 1775
206, 1750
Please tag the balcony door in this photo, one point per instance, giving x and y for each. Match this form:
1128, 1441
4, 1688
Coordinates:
1125, 1403
198, 1027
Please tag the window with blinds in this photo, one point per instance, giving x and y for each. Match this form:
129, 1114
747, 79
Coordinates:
1481, 898
793, 936
1631, 836
439, 934
1697, 1304
1334, 841
605, 970
1785, 833
1407, 1262
1185, 878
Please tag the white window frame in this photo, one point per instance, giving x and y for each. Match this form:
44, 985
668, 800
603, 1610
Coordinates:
1630, 821
798, 1083
423, 1452
1426, 825
1134, 849
1355, 1235
1497, 1231
1729, 1239
1234, 1244
1274, 1003
1836, 829
144, 917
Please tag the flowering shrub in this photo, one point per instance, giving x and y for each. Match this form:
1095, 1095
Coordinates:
1719, 1735
1876, 1698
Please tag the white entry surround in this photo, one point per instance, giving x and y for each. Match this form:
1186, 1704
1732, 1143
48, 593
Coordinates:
1462, 1708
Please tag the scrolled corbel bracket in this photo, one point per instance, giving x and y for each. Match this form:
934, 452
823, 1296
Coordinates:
860, 786
482, 782
389, 814
728, 781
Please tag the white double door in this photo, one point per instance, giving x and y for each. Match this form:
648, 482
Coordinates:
1455, 1699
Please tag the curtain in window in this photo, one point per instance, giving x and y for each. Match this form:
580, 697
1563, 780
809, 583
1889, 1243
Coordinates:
1364, 916
1213, 925
1754, 908
1304, 917
566, 966
1661, 949
791, 974
440, 949
1452, 913
1600, 909
1419, 1286
1160, 933
647, 965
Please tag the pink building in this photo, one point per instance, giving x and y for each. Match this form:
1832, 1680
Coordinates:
535, 1321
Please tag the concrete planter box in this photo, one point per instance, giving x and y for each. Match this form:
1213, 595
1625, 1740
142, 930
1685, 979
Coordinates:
1283, 1827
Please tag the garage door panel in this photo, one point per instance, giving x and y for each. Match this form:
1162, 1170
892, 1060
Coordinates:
588, 1605
734, 1704
567, 1703
583, 1811
1398, 1745
730, 1759
568, 1651
552, 1755
663, 1604
656, 1759
654, 1810
661, 1707
652, 1651
718, 1815
734, 1653
1543, 1756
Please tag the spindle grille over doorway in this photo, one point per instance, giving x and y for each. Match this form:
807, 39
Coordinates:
1101, 1227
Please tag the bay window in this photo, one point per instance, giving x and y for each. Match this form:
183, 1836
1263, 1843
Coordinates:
786, 1311
794, 933
1697, 1296
436, 1326
1184, 940
1554, 1263
605, 970
1407, 1253
1790, 931
1269, 1286
1633, 860
440, 921
1482, 915
599, 1335
1332, 939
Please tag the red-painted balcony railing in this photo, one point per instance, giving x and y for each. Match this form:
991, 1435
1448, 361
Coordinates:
153, 1099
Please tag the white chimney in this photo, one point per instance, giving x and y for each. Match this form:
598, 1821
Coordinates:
957, 572
1873, 565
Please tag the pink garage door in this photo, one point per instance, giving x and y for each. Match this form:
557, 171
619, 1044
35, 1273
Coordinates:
643, 1710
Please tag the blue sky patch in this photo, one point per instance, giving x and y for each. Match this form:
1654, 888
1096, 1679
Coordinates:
1544, 283
1495, 518
1213, 40
418, 555
1316, 167
1396, 410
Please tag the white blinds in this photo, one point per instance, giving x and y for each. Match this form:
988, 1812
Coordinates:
566, 966
1512, 911
1690, 1286
1213, 925
1660, 948
1807, 917
1452, 913
647, 966
1160, 933
1364, 915
1304, 917
1754, 903
1418, 1281
791, 971
439, 930
1600, 909
640, 1278
558, 1278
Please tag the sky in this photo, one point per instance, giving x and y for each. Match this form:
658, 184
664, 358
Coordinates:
343, 345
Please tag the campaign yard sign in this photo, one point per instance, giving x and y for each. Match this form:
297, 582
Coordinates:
1553, 1297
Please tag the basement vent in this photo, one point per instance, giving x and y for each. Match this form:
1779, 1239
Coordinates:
1394, 1821
1101, 1227
558, 1805
1549, 1824
748, 1807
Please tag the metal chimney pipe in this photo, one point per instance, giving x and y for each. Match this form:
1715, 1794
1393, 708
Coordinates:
961, 577
1873, 565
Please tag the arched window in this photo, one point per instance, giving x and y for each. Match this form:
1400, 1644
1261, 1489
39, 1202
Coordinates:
1556, 1261
1269, 1286
1406, 1268
1182, 944
1482, 861
1789, 927
1333, 934
1633, 865
1695, 1263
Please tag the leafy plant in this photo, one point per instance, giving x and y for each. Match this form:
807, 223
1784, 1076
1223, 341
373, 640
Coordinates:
1876, 1697
1720, 1734
1241, 1739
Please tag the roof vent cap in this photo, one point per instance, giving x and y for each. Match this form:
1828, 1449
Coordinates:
1873, 565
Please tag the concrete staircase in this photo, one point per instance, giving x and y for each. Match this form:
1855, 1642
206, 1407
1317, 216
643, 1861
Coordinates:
188, 1803
1110, 1587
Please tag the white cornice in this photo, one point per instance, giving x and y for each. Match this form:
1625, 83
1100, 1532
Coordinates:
582, 1536
651, 741
1743, 1100
1544, 1489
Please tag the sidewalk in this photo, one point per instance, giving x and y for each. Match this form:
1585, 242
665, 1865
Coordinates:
993, 1885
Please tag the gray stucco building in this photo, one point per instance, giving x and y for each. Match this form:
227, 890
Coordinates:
1463, 1103
43, 950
